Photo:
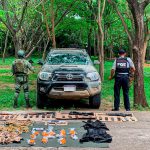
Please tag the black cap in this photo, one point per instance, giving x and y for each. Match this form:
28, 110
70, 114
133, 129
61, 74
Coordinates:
122, 51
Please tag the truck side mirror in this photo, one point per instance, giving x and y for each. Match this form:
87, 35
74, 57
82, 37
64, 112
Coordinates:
96, 62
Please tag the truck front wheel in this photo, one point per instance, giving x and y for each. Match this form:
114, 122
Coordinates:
41, 101
95, 101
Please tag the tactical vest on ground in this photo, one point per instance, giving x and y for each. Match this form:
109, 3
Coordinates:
20, 67
122, 66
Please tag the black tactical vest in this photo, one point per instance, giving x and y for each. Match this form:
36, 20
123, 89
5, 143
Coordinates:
122, 66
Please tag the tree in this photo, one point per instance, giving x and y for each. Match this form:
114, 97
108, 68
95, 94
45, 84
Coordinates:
137, 10
53, 23
15, 32
6, 42
147, 33
19, 25
129, 34
101, 36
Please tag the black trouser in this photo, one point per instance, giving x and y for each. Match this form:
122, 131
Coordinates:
121, 81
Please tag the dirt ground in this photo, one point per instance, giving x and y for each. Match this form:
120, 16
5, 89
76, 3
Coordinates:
126, 136
146, 65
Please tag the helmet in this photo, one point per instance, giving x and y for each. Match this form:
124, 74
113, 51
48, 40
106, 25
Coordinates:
21, 54
122, 51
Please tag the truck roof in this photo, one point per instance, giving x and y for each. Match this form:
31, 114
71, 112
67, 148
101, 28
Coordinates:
67, 49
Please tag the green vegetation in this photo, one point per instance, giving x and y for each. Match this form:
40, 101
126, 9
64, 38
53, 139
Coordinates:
75, 24
7, 87
102, 27
108, 85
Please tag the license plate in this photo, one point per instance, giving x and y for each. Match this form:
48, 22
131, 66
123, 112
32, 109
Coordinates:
69, 88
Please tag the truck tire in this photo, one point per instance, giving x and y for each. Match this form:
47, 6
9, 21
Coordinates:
95, 101
41, 101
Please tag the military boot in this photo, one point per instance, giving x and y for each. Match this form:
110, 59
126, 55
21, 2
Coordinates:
28, 104
15, 103
16, 100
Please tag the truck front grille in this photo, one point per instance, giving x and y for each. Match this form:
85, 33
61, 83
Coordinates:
68, 77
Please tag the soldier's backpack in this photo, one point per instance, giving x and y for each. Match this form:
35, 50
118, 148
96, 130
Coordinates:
19, 67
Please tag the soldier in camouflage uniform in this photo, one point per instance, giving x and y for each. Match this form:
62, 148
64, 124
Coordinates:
20, 68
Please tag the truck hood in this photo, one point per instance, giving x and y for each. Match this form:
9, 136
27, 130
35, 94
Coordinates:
85, 68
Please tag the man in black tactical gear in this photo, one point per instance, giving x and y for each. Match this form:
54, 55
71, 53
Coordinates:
121, 70
20, 68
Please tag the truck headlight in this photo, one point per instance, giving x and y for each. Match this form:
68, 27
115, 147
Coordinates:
93, 76
45, 76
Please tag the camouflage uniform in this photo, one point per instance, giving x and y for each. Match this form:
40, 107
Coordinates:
20, 68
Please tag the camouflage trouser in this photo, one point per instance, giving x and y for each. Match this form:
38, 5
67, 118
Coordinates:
21, 81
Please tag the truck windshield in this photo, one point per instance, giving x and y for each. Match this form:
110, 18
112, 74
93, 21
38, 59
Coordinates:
68, 59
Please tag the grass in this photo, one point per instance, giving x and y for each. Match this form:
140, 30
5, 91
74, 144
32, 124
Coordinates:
7, 86
107, 86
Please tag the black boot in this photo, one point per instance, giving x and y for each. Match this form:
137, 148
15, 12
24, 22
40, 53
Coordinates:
28, 104
15, 103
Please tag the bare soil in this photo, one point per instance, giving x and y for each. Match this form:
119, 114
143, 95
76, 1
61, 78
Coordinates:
5, 67
5, 74
146, 65
4, 85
